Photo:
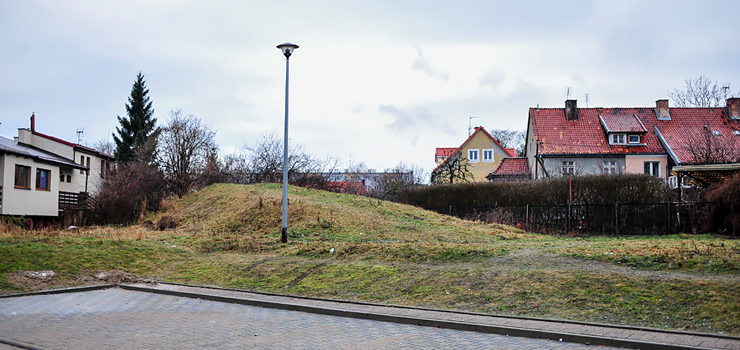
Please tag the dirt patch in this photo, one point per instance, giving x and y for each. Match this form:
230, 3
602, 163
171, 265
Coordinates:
33, 281
117, 277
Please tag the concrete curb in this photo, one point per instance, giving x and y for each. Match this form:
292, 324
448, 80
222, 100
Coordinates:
19, 344
509, 331
625, 327
60, 291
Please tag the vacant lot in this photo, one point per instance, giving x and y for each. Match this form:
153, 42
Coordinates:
357, 248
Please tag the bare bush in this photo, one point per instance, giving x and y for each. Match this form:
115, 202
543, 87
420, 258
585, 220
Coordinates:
263, 162
726, 216
128, 193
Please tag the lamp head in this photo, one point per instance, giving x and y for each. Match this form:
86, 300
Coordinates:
287, 49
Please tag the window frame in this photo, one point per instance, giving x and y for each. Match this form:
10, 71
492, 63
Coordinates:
475, 152
629, 139
611, 168
617, 139
19, 184
488, 151
652, 168
47, 185
568, 167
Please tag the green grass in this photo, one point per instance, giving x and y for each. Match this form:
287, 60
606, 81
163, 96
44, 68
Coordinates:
358, 248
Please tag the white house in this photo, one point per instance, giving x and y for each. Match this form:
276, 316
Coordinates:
41, 175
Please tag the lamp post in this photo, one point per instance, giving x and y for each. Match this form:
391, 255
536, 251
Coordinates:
287, 49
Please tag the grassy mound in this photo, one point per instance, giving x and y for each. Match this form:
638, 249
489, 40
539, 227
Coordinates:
357, 248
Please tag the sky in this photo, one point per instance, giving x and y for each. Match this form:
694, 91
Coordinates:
378, 82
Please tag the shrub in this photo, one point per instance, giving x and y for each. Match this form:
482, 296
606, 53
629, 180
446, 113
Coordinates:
727, 214
592, 189
128, 193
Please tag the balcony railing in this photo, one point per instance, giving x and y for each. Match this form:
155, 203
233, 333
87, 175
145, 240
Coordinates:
72, 200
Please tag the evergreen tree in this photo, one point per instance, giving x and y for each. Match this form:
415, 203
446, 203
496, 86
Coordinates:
136, 139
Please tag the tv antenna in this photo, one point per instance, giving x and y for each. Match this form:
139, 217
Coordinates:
470, 126
567, 93
80, 133
586, 100
726, 88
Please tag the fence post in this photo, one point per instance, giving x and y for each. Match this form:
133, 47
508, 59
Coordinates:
569, 211
616, 219
668, 218
450, 209
526, 218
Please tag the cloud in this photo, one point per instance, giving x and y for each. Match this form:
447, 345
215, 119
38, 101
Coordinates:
422, 64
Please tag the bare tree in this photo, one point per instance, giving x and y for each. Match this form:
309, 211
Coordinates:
186, 148
104, 146
711, 147
455, 168
391, 182
701, 92
265, 164
511, 139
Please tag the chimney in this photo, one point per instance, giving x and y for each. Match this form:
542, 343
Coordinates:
571, 110
33, 121
661, 110
733, 107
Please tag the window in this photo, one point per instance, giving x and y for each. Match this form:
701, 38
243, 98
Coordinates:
488, 155
473, 155
22, 176
673, 182
43, 178
61, 176
610, 167
69, 178
634, 139
617, 139
652, 168
568, 168
82, 162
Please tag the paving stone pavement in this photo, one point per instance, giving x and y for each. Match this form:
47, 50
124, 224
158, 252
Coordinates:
578, 332
117, 318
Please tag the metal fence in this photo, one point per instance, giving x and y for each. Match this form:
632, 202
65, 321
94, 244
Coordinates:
614, 219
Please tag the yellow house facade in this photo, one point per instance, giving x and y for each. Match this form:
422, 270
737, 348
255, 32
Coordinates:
481, 152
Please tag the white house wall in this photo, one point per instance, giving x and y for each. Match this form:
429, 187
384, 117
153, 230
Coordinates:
17, 201
27, 137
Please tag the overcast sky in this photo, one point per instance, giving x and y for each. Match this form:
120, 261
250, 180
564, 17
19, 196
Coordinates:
379, 82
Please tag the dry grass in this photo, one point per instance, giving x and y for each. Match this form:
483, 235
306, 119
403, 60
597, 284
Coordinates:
358, 248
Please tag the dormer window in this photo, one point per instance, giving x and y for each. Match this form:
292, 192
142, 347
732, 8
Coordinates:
634, 138
617, 139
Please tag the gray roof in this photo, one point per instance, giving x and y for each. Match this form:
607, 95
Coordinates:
14, 147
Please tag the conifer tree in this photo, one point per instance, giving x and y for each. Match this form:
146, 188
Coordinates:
136, 139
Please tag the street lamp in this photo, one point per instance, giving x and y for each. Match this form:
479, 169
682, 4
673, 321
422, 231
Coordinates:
287, 49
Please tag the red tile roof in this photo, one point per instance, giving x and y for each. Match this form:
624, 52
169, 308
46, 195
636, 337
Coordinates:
512, 166
350, 187
444, 152
556, 135
621, 123
689, 125
510, 151
588, 135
